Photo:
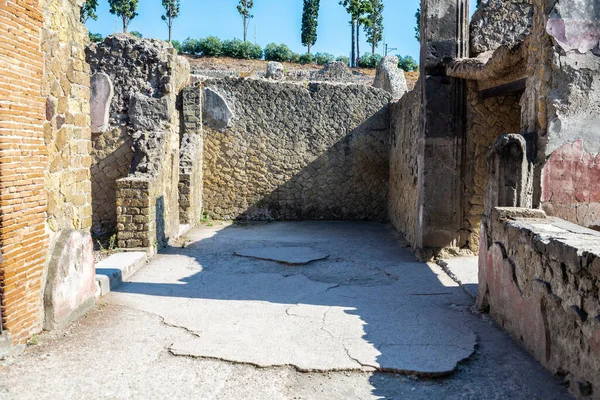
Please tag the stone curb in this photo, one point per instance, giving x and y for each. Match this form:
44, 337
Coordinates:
116, 269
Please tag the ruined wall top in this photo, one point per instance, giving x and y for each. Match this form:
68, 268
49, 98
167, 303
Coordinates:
500, 22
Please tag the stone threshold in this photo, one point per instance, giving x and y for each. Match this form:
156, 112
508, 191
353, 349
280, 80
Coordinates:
116, 269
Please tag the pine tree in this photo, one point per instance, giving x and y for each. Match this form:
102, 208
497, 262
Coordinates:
374, 25
357, 10
418, 27
125, 9
88, 11
310, 21
244, 9
171, 12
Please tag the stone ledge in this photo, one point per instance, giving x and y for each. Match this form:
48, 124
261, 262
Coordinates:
503, 213
116, 269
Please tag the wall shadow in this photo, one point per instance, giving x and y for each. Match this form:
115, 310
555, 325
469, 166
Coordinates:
369, 274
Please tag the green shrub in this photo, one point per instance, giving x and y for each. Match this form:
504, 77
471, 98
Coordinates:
280, 53
343, 59
242, 50
307, 59
96, 37
324, 58
211, 46
136, 34
191, 46
255, 51
369, 60
407, 63
177, 45
295, 58
232, 48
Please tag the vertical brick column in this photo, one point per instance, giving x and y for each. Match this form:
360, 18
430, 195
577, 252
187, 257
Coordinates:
136, 213
23, 200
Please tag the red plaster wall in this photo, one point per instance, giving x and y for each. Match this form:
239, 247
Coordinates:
571, 185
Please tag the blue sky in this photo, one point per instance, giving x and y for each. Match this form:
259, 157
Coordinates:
274, 21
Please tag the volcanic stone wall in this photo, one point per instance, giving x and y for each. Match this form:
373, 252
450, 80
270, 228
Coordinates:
295, 151
140, 140
404, 169
539, 277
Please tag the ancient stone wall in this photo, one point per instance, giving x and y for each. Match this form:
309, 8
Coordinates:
44, 168
500, 23
191, 155
295, 151
564, 69
141, 137
404, 171
539, 278
70, 285
487, 119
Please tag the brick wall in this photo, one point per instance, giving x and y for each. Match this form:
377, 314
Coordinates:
23, 201
45, 188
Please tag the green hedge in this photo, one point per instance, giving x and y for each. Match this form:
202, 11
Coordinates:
369, 60
278, 52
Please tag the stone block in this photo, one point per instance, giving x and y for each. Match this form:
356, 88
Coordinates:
70, 286
390, 78
275, 71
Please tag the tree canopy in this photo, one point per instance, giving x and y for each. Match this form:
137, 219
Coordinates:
244, 9
374, 24
172, 8
310, 21
88, 11
125, 9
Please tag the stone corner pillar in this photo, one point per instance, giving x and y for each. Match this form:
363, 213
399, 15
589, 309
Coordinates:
444, 36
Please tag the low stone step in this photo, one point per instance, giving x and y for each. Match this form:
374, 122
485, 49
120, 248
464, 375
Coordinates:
114, 270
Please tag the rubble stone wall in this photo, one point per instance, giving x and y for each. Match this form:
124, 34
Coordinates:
191, 154
500, 23
487, 119
295, 151
141, 139
539, 277
404, 170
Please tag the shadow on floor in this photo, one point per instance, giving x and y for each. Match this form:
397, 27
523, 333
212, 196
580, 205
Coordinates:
371, 304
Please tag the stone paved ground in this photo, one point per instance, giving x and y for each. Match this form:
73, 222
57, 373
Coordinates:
200, 322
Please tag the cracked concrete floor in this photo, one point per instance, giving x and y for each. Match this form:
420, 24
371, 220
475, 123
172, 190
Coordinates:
198, 321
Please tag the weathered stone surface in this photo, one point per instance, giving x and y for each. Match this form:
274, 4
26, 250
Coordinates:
331, 315
390, 78
570, 189
147, 113
538, 279
216, 111
275, 71
142, 140
284, 255
404, 169
575, 24
444, 34
335, 71
71, 286
500, 23
298, 152
102, 92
